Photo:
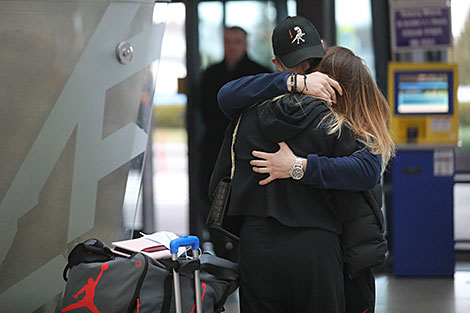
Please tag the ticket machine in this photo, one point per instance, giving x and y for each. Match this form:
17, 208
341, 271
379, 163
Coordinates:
424, 125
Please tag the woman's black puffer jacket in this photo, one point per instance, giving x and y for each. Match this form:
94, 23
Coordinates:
363, 238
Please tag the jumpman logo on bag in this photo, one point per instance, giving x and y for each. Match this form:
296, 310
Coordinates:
89, 290
202, 297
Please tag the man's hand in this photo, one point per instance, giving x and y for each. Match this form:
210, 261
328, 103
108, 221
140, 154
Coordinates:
319, 85
277, 165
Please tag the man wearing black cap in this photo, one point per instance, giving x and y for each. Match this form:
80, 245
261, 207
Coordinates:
296, 44
298, 48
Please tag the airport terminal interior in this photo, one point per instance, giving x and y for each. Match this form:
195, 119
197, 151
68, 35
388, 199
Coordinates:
110, 129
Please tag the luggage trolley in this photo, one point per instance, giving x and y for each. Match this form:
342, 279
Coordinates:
185, 241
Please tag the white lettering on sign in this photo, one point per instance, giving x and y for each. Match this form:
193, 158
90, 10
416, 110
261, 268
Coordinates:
411, 13
433, 31
416, 32
439, 21
408, 23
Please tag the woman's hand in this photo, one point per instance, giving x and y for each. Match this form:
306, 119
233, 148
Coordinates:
277, 164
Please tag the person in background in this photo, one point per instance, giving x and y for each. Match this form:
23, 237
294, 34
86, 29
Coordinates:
235, 64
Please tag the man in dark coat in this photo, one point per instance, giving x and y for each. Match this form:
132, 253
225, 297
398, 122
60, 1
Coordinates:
236, 64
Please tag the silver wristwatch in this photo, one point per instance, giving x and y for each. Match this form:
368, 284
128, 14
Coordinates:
297, 171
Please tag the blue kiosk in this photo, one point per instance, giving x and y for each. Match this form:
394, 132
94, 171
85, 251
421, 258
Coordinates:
424, 125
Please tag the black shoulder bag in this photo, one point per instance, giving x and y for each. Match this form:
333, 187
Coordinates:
217, 218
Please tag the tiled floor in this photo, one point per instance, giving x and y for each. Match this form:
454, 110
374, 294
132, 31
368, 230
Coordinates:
413, 295
423, 295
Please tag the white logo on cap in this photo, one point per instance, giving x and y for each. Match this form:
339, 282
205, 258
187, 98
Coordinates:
299, 36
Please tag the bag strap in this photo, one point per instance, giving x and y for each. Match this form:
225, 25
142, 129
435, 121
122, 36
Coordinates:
91, 250
136, 297
219, 306
221, 269
234, 137
167, 292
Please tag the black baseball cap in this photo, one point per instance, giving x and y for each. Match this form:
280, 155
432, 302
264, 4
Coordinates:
295, 40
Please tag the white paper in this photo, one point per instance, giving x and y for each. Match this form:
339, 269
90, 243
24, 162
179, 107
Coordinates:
164, 238
443, 162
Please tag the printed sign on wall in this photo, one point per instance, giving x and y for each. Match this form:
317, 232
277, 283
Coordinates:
425, 25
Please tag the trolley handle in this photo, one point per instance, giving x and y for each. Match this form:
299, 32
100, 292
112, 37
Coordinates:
184, 241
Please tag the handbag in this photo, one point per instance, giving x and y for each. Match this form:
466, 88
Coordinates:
217, 218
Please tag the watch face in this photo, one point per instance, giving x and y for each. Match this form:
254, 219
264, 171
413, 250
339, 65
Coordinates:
296, 173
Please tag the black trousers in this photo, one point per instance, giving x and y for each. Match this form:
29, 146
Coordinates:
360, 292
285, 269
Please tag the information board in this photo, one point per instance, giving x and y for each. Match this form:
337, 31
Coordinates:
416, 25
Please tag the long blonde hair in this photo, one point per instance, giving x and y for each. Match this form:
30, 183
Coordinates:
362, 108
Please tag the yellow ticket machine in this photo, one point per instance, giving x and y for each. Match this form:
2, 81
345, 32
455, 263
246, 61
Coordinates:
424, 125
423, 103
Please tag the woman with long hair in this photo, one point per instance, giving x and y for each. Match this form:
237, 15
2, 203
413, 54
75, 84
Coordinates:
363, 108
295, 238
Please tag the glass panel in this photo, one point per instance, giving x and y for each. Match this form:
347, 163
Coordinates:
460, 11
354, 29
258, 19
170, 167
211, 32
459, 53
172, 66
74, 124
462, 216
